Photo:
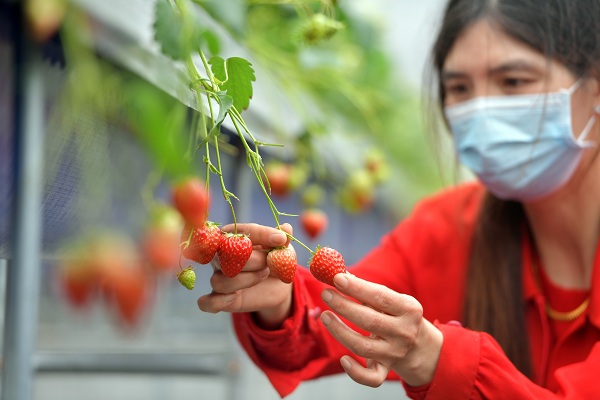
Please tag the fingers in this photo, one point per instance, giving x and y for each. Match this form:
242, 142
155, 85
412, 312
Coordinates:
261, 235
377, 296
222, 284
269, 293
216, 302
363, 346
362, 316
374, 375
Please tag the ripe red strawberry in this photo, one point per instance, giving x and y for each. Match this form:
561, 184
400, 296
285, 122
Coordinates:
203, 242
233, 253
314, 222
326, 263
283, 263
192, 200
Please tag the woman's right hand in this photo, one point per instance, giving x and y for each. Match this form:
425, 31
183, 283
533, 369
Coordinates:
252, 290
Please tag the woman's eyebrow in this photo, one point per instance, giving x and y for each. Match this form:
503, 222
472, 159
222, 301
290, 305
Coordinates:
515, 65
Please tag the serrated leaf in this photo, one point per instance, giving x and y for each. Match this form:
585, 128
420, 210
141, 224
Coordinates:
237, 76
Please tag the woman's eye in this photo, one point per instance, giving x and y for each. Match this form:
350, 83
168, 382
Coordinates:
456, 89
514, 82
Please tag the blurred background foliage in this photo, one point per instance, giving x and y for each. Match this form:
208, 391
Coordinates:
332, 100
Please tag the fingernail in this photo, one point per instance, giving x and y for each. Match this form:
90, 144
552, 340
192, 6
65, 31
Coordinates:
228, 298
345, 363
325, 319
326, 296
340, 280
278, 239
264, 273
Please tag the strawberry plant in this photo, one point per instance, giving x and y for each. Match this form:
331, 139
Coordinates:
224, 88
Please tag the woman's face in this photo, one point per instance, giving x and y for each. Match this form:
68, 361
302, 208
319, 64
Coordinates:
484, 61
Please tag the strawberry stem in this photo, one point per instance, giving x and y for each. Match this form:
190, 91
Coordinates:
299, 242
210, 87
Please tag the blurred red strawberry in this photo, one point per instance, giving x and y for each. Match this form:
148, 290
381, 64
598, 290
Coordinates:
278, 175
76, 280
130, 293
314, 221
191, 199
160, 239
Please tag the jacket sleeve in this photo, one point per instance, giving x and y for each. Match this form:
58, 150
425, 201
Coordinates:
473, 366
303, 349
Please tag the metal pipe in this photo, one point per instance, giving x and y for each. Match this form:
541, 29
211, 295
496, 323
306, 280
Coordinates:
23, 272
147, 363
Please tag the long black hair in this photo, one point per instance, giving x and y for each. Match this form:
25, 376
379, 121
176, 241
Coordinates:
567, 31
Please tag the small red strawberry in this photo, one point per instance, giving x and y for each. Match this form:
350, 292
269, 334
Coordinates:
326, 263
192, 200
233, 253
314, 222
203, 242
283, 263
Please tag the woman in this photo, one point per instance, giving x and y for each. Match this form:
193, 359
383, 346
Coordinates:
489, 289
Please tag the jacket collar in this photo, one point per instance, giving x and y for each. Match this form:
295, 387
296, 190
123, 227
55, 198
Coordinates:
531, 289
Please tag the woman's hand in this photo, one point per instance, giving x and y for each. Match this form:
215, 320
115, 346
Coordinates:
252, 290
401, 339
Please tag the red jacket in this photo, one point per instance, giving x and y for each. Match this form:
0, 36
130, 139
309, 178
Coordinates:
426, 256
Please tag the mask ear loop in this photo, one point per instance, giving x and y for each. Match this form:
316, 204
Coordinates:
588, 128
575, 86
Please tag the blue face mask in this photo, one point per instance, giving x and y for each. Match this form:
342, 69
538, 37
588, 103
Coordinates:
521, 147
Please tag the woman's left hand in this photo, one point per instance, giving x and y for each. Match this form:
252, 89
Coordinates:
401, 339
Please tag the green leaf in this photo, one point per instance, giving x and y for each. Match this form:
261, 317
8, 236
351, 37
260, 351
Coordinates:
225, 103
170, 33
159, 123
212, 41
168, 30
237, 76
